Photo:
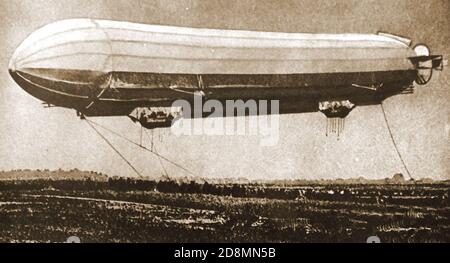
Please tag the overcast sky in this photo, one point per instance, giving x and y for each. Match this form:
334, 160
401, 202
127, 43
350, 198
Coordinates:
37, 138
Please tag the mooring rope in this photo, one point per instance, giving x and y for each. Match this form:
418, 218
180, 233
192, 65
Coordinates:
141, 146
157, 154
393, 141
114, 148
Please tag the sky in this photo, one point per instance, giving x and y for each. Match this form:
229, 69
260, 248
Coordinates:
33, 137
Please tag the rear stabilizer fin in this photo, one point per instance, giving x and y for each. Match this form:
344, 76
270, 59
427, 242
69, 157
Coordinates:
404, 40
437, 62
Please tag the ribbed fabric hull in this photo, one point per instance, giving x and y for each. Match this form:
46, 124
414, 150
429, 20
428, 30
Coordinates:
116, 66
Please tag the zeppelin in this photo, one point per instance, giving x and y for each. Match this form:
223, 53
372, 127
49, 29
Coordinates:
111, 68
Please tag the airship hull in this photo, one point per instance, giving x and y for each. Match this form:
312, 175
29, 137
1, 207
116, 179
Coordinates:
114, 67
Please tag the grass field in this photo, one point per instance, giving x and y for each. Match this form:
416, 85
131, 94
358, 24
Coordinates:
124, 210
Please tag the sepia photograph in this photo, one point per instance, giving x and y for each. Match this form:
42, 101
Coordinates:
208, 121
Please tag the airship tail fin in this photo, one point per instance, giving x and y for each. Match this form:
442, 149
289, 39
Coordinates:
436, 62
404, 40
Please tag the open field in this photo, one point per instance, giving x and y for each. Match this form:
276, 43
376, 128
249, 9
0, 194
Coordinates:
42, 210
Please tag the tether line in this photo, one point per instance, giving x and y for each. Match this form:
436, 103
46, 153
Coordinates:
159, 158
394, 143
140, 146
114, 148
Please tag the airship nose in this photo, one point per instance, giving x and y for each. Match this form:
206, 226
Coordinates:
59, 62
61, 58
74, 44
11, 65
16, 71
